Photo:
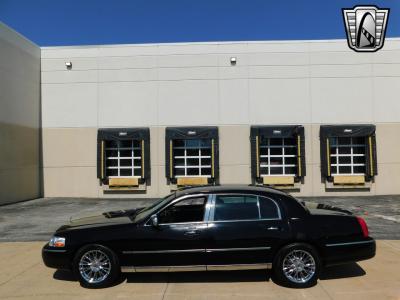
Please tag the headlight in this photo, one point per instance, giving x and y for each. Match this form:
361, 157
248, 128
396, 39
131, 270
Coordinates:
56, 241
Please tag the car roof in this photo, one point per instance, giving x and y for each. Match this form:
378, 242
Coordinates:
208, 189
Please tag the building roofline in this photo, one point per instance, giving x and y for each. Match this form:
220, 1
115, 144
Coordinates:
19, 34
271, 42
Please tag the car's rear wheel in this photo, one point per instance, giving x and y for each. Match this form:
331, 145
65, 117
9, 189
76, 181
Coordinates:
96, 266
297, 265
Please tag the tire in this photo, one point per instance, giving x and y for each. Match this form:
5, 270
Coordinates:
103, 271
297, 265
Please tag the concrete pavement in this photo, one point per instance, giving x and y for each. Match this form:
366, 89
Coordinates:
23, 276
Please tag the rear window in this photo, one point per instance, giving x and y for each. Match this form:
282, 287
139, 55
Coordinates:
244, 207
268, 208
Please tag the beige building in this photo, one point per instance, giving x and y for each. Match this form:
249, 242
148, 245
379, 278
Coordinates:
142, 120
19, 117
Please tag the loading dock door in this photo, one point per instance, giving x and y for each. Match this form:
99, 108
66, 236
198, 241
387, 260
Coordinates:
192, 155
348, 154
278, 155
123, 157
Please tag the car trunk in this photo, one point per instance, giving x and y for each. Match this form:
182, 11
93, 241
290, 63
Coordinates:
324, 209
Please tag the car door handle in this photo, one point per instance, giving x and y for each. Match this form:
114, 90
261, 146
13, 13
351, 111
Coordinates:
272, 228
192, 232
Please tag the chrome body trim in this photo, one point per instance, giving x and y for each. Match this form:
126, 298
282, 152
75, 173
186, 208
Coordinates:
207, 213
258, 207
350, 243
195, 250
212, 208
239, 267
248, 220
238, 249
128, 269
195, 268
164, 251
55, 250
187, 268
140, 269
183, 223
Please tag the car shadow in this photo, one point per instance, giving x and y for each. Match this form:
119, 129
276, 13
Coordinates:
342, 271
334, 272
193, 277
64, 275
216, 276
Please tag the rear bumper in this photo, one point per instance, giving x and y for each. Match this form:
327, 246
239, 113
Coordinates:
56, 258
338, 253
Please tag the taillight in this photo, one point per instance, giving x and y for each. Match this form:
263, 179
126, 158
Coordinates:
363, 226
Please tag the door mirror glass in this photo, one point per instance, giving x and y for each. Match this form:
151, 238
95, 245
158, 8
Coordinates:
154, 220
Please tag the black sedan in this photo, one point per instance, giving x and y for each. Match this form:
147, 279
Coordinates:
211, 228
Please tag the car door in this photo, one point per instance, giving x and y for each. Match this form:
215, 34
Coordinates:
177, 240
243, 229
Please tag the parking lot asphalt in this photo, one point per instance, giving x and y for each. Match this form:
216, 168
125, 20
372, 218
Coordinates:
23, 276
36, 220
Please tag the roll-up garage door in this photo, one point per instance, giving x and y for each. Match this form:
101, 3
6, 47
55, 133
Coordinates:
278, 154
348, 153
192, 155
123, 156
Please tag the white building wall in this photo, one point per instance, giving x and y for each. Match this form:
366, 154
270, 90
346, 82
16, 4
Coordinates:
300, 82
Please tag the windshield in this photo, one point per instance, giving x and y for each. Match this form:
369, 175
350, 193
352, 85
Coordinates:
147, 211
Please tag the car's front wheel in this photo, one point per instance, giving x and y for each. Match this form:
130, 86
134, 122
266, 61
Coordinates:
96, 266
297, 265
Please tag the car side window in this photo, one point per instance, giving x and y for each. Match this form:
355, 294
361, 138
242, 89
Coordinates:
236, 207
184, 211
268, 208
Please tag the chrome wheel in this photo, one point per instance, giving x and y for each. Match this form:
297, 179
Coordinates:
299, 266
94, 266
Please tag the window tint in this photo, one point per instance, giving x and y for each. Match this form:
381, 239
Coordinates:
187, 210
268, 209
232, 207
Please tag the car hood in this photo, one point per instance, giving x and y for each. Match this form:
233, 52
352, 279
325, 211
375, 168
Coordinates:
98, 219
101, 219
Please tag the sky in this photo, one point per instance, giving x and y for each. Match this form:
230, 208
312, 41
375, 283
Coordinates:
95, 22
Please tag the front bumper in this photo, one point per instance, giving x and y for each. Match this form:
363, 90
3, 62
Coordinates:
338, 253
57, 258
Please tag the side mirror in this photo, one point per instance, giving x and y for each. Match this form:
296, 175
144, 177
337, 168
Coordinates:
154, 220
